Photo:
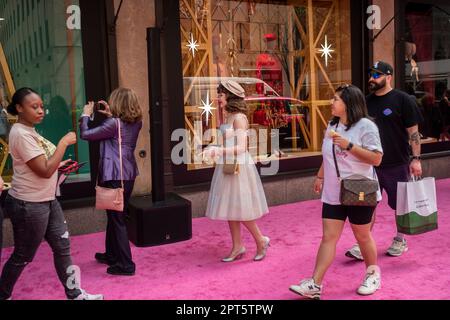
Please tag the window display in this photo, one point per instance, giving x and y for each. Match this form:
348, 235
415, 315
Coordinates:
288, 56
427, 74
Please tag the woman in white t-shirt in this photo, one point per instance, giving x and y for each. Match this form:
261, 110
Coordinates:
31, 202
358, 150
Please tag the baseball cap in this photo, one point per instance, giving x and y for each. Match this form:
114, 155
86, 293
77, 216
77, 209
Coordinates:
234, 87
382, 67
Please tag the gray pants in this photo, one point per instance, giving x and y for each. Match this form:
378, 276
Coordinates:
32, 222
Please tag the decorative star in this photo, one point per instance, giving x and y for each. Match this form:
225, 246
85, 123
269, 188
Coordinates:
207, 107
192, 45
326, 50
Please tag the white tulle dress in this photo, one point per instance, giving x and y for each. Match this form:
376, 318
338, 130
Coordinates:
237, 197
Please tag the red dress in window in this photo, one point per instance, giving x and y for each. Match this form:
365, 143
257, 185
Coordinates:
260, 117
268, 69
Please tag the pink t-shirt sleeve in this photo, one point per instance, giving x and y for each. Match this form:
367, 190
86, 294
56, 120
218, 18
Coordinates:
27, 148
26, 185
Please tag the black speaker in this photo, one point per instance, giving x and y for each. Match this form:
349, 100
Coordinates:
157, 223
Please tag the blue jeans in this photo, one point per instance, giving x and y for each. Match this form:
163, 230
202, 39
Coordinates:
32, 222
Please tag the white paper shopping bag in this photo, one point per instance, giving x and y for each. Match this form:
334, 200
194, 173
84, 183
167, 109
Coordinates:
416, 206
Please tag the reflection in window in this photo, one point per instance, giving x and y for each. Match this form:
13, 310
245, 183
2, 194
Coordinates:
42, 53
288, 56
427, 56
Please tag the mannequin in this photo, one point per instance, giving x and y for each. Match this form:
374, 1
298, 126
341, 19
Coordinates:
268, 67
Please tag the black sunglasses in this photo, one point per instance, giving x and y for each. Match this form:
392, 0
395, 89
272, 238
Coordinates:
376, 74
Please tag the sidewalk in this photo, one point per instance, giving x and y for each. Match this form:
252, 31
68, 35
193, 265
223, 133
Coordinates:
192, 269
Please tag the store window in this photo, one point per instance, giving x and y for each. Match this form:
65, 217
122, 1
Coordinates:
288, 55
41, 48
427, 56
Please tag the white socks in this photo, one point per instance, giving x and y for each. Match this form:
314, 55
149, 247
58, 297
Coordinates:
400, 236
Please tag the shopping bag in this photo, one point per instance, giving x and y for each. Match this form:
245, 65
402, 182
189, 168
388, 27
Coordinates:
416, 206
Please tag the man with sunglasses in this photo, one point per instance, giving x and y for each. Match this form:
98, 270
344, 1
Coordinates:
397, 116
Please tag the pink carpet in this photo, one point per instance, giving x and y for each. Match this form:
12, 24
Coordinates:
192, 269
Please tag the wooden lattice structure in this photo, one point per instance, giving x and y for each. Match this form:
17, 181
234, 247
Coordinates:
313, 66
196, 63
232, 32
9, 87
4, 151
6, 74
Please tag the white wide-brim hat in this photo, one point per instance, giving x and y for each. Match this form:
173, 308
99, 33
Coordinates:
234, 87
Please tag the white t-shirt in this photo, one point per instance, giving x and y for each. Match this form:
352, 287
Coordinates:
26, 144
365, 134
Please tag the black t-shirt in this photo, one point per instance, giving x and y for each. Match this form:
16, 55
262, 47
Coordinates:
445, 112
394, 113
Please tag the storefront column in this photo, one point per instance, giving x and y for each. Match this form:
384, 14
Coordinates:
134, 18
384, 44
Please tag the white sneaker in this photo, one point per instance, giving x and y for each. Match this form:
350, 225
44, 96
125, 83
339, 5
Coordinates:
355, 253
398, 247
87, 296
307, 288
372, 281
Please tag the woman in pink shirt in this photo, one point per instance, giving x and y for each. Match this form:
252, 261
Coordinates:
31, 202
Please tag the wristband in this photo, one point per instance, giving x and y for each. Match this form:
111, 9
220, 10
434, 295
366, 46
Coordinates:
350, 146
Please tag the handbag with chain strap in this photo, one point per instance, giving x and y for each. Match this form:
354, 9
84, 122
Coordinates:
232, 168
356, 190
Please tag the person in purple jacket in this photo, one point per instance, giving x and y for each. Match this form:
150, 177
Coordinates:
123, 105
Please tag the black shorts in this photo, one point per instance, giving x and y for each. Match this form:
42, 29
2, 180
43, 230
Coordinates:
388, 178
356, 215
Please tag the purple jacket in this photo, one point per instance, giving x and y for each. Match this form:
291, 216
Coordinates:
107, 134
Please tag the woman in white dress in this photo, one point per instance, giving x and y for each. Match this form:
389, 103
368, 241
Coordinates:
236, 196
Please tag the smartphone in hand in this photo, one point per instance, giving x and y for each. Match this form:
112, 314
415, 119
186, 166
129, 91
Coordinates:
67, 165
99, 107
70, 167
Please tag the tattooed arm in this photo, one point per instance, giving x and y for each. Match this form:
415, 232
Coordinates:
414, 139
